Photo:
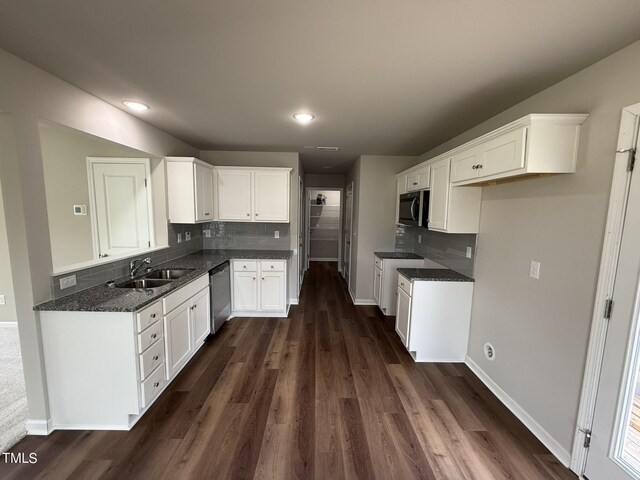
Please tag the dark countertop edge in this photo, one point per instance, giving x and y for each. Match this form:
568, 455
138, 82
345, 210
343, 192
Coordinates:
436, 275
225, 255
391, 256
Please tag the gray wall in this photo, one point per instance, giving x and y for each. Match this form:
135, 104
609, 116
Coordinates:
271, 159
7, 151
540, 328
324, 181
374, 215
30, 95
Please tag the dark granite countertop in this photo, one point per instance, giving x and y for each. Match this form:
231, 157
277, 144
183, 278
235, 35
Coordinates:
397, 256
433, 275
104, 299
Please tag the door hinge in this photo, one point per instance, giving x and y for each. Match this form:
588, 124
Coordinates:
608, 307
632, 158
587, 437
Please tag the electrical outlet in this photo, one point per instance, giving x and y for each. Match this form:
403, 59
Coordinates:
187, 236
67, 282
207, 233
179, 238
276, 234
469, 252
2, 300
534, 269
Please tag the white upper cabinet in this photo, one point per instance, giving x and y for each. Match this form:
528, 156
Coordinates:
271, 195
234, 195
253, 195
190, 190
418, 179
439, 196
534, 145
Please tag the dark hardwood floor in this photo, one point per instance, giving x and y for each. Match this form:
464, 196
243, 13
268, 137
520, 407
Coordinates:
327, 393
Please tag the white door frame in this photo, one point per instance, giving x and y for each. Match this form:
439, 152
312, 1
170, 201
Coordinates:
302, 247
350, 187
308, 223
608, 268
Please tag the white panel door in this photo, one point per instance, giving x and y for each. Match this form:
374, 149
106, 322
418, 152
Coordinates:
439, 198
377, 285
234, 195
122, 207
403, 313
272, 291
271, 196
245, 291
178, 338
204, 193
201, 316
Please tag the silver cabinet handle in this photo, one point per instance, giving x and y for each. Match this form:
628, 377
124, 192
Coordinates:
254, 278
244, 266
103, 255
402, 284
256, 214
154, 335
153, 315
248, 214
207, 214
262, 278
271, 266
156, 358
156, 385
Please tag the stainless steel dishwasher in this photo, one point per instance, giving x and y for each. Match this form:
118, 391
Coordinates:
219, 283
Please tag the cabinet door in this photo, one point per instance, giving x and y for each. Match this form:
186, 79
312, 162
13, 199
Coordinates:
271, 196
200, 316
402, 184
272, 291
403, 316
234, 195
245, 291
204, 193
503, 154
439, 198
418, 180
178, 338
377, 285
465, 165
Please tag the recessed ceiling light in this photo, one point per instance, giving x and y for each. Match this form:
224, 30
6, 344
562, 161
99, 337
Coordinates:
136, 106
303, 118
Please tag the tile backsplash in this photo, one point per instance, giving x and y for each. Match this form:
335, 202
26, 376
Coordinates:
447, 249
246, 235
90, 277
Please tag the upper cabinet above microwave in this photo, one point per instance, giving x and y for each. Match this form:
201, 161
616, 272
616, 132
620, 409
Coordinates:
536, 144
253, 194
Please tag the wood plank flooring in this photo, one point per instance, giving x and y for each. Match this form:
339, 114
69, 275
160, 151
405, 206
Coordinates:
328, 393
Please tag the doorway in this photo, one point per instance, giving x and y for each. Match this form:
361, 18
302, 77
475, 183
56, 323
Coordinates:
607, 440
324, 225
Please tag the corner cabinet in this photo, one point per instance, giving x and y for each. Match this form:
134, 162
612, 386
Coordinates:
259, 288
253, 195
191, 187
105, 369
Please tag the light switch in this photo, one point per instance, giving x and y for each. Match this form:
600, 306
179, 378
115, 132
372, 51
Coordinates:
534, 270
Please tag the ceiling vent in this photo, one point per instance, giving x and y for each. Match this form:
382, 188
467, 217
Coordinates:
329, 149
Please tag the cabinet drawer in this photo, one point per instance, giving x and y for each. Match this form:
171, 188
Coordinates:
149, 316
378, 263
150, 359
152, 386
245, 266
272, 266
405, 284
180, 296
150, 336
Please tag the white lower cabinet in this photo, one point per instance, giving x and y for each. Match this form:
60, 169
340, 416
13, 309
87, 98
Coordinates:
259, 288
104, 369
433, 317
385, 279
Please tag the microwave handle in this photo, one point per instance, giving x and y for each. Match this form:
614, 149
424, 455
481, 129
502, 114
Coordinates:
414, 213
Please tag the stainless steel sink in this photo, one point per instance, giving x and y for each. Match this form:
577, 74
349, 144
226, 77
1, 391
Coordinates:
144, 283
168, 273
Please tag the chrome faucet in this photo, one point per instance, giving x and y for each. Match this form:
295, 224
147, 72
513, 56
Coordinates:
133, 267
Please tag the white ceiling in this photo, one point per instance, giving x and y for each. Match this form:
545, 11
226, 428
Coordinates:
382, 77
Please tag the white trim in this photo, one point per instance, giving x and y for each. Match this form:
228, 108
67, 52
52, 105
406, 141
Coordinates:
9, 324
39, 427
103, 261
548, 441
293, 301
365, 301
606, 279
259, 314
308, 226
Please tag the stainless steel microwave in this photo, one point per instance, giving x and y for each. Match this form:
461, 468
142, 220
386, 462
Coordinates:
413, 209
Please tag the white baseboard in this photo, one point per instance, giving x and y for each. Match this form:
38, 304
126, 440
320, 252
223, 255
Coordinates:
548, 441
39, 427
363, 301
293, 301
